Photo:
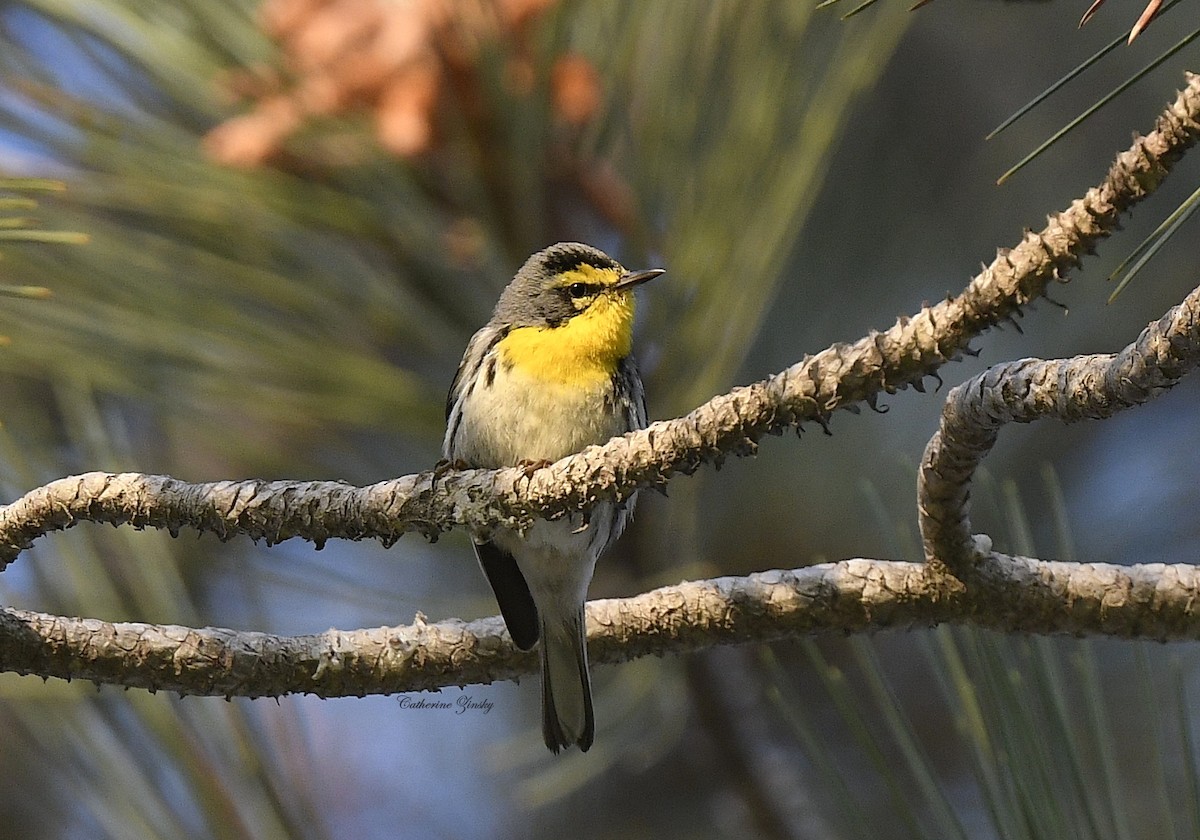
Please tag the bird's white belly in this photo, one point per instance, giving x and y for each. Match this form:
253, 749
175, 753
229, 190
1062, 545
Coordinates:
558, 557
536, 420
521, 418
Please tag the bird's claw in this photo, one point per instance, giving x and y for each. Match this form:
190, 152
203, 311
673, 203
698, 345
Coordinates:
529, 466
447, 466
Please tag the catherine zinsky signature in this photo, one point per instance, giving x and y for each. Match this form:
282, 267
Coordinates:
460, 705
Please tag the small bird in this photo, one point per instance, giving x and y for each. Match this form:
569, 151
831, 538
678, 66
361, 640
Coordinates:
551, 373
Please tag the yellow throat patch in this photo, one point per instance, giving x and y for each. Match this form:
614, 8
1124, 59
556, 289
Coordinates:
586, 348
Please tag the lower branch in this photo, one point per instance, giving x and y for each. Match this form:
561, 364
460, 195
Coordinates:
1145, 601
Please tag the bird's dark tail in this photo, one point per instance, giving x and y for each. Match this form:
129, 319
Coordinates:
566, 690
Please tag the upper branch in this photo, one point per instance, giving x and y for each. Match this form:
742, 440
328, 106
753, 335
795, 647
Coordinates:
839, 377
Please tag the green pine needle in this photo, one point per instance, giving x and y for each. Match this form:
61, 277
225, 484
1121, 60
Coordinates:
1111, 95
26, 292
1144, 252
32, 184
64, 237
859, 8
1084, 65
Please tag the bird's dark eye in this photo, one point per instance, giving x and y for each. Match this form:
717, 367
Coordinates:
579, 290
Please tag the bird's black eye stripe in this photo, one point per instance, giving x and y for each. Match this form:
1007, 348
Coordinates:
581, 290
564, 257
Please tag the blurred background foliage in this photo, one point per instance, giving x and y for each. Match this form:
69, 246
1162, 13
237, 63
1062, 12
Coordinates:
283, 221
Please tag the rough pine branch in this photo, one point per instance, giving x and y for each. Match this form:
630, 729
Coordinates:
1084, 387
1148, 601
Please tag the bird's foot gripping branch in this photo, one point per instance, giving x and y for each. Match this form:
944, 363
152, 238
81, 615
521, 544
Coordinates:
964, 582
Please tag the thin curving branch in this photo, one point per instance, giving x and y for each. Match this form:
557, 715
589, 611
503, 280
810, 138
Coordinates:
842, 376
1085, 387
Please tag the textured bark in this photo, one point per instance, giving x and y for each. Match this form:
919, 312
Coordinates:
1085, 387
855, 595
1151, 601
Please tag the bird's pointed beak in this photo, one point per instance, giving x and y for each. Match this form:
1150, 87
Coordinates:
636, 278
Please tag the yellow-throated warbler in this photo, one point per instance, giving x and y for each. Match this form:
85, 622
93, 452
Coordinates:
551, 373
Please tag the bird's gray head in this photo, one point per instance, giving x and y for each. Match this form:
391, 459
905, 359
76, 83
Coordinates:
555, 284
